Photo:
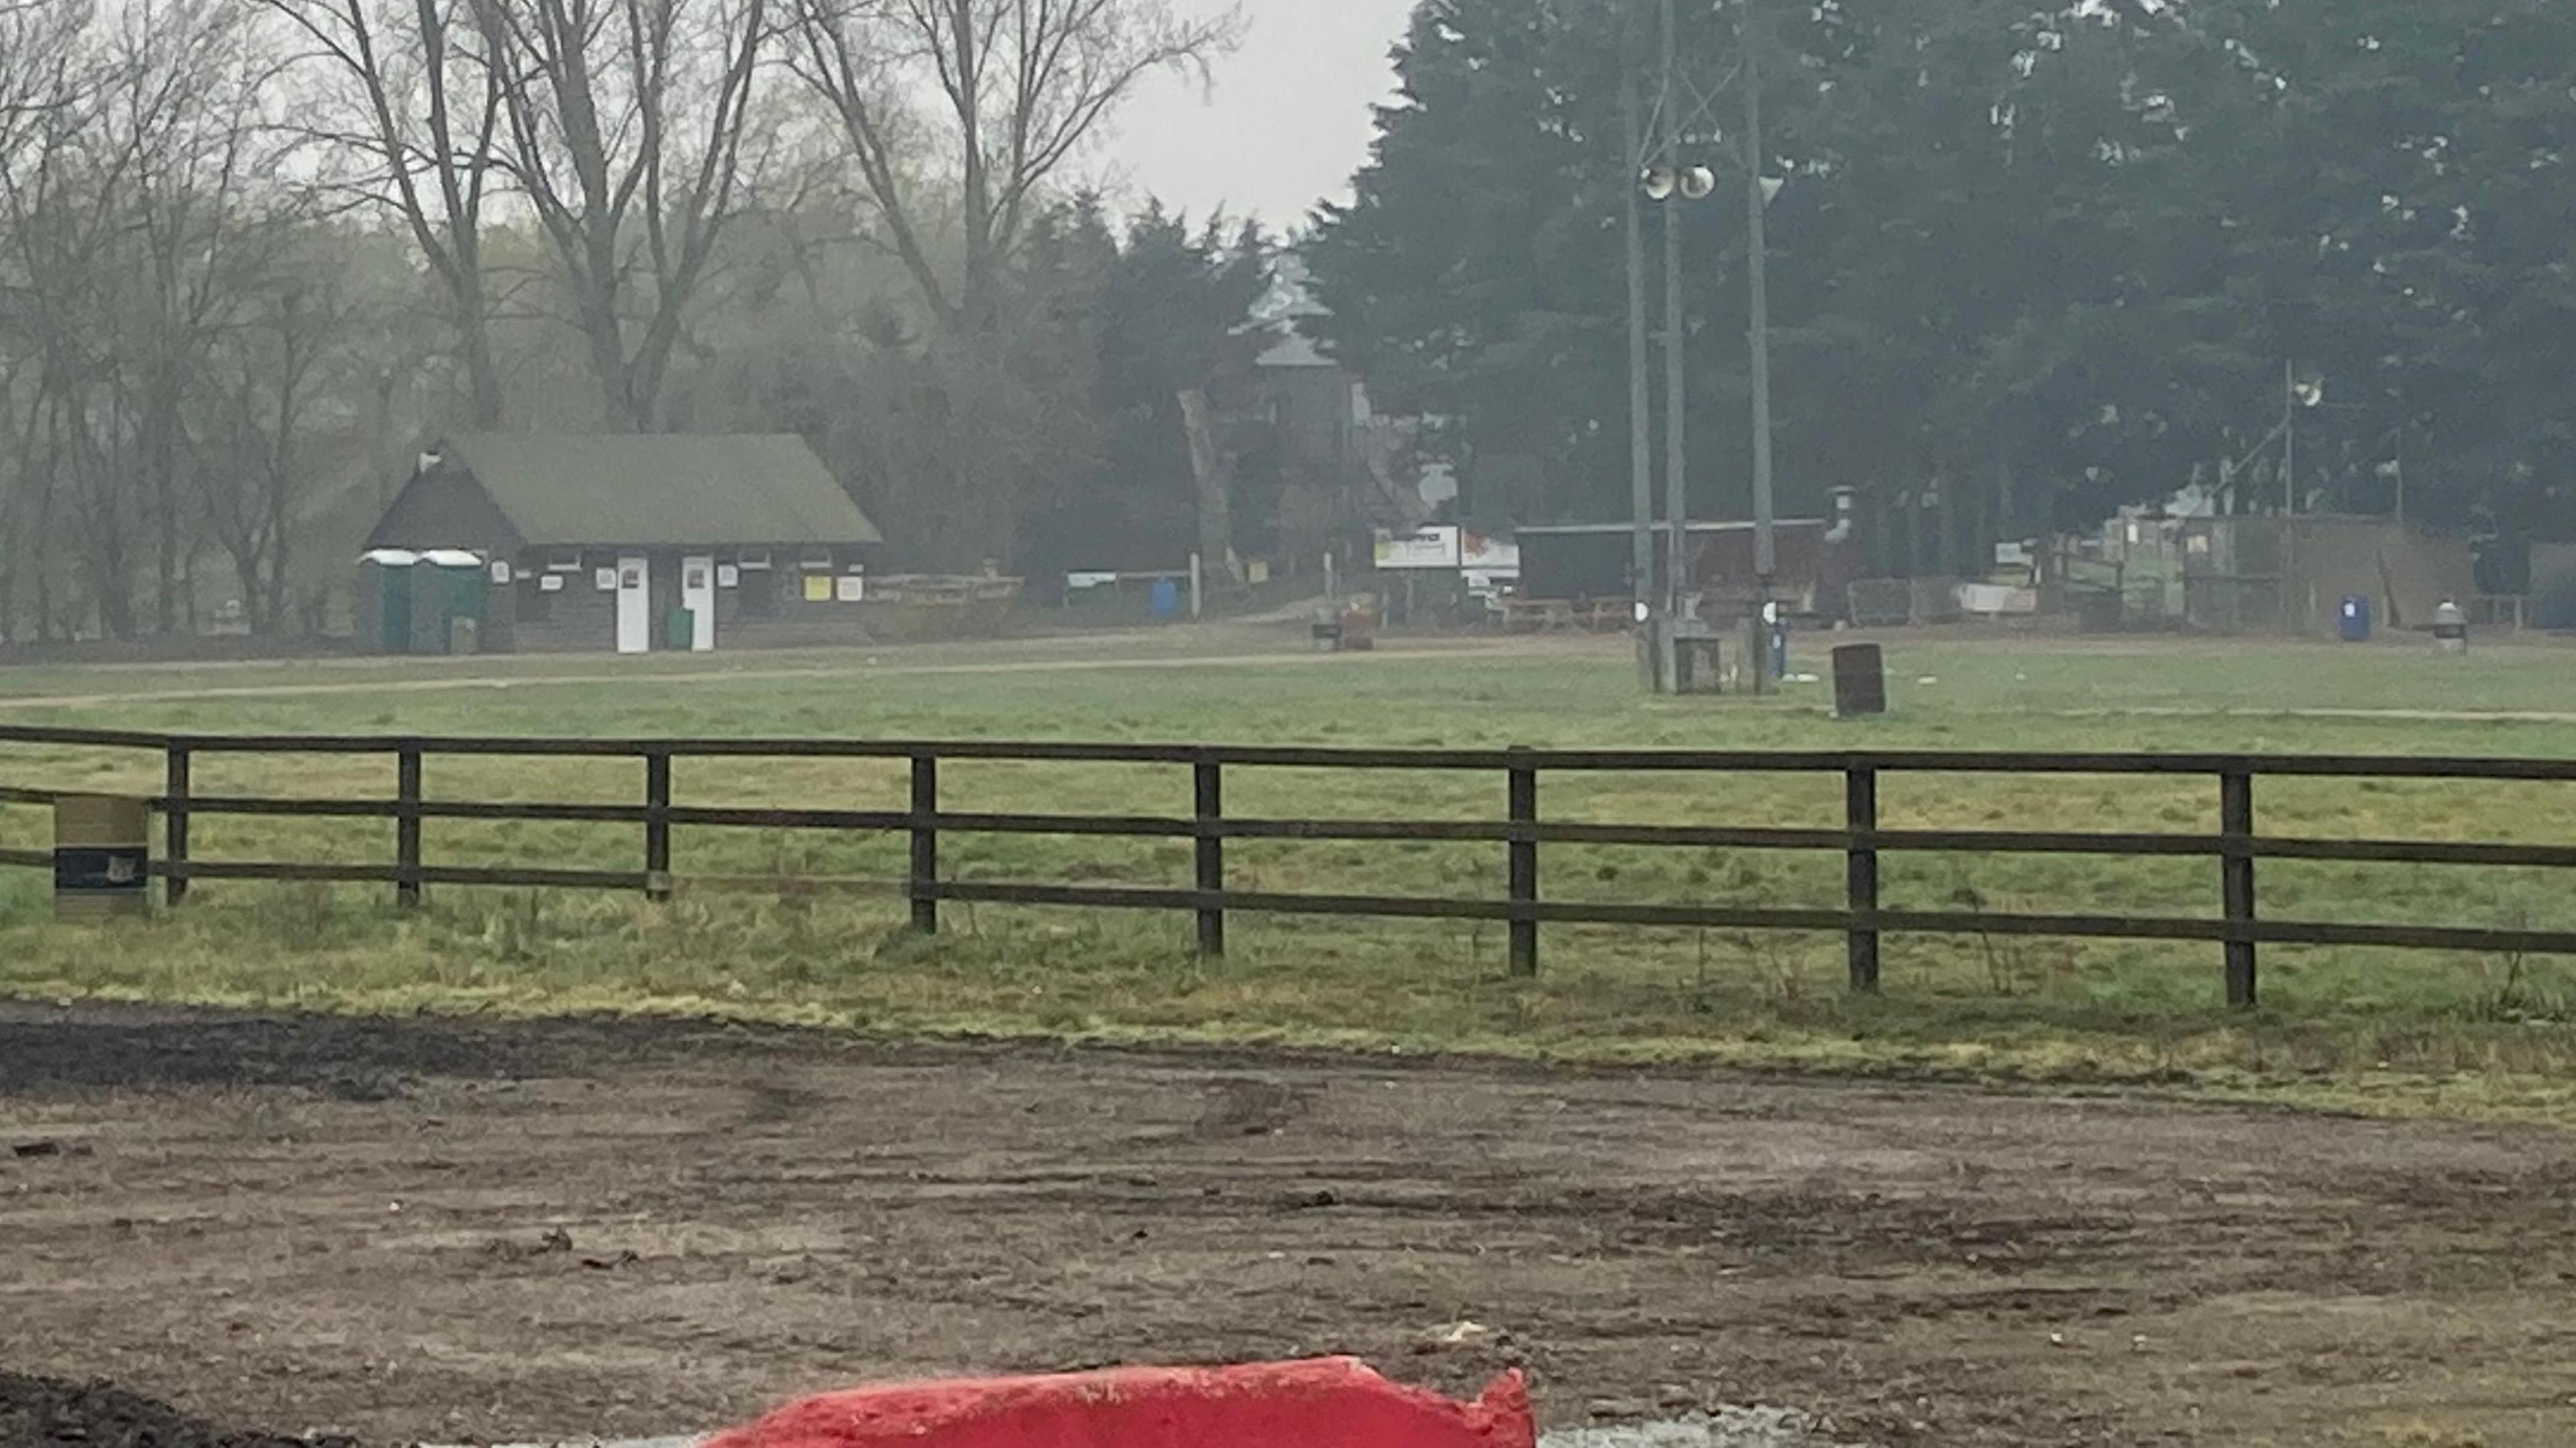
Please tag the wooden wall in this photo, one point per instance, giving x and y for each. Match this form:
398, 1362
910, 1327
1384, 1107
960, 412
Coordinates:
766, 609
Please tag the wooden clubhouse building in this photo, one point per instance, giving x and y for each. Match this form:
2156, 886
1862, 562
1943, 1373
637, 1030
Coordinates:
628, 543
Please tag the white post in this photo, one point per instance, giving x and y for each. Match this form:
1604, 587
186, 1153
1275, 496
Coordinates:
1332, 588
1198, 602
2289, 439
2401, 479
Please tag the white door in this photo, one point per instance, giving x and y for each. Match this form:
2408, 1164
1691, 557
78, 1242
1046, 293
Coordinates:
698, 596
634, 605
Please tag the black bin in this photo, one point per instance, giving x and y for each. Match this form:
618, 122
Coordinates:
1860, 681
102, 857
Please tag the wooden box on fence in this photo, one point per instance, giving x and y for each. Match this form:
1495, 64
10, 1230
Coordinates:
102, 857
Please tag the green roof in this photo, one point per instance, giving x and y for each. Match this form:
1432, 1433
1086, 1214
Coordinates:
663, 489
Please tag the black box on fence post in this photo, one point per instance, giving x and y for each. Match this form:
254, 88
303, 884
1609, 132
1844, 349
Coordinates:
102, 857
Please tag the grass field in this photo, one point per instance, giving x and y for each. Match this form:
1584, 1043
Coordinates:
2346, 1027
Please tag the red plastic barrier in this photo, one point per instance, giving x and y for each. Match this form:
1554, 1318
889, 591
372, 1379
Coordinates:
1330, 1403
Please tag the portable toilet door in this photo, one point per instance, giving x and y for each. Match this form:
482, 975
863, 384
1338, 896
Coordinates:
454, 578
384, 600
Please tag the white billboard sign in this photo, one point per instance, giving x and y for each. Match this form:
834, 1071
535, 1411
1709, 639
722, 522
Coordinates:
1434, 547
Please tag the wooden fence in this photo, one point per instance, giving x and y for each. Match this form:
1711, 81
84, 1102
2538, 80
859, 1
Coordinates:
2235, 849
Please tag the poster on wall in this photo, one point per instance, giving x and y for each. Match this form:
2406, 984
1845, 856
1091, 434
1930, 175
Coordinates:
853, 588
728, 576
605, 580
1497, 556
550, 583
501, 572
818, 588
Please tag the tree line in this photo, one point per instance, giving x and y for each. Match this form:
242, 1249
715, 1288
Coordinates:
2028, 263
252, 252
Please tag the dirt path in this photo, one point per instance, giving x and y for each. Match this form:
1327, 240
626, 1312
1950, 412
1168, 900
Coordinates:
423, 1230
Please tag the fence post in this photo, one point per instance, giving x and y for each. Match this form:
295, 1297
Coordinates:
407, 827
1524, 861
1208, 780
657, 827
1860, 875
924, 887
174, 819
2236, 826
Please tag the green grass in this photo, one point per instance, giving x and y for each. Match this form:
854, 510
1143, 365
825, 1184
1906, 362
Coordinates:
2383, 1030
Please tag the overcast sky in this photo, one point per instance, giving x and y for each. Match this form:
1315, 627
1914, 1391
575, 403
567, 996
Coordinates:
1287, 123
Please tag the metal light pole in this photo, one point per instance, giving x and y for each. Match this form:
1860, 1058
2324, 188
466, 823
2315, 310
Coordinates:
1641, 447
1766, 560
1676, 395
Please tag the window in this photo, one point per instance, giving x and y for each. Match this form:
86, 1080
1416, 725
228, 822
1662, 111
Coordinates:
563, 560
754, 560
818, 560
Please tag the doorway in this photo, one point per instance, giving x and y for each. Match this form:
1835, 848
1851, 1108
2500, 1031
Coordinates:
634, 605
698, 596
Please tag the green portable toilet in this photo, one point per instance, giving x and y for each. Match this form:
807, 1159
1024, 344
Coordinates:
447, 586
384, 600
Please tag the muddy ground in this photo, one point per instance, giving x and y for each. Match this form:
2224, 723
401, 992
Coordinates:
417, 1229
45, 1413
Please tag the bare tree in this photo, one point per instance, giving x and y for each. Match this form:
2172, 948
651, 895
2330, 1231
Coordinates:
121, 227
252, 419
62, 185
38, 39
412, 96
625, 122
39, 42
195, 113
994, 96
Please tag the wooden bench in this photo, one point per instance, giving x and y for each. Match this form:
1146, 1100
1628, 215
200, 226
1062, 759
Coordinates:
1539, 615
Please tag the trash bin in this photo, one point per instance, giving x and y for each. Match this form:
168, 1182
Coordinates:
1359, 630
102, 857
2451, 628
1327, 630
1860, 681
2352, 621
682, 627
1699, 657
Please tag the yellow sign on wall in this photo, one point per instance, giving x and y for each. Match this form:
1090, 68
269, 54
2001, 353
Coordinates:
818, 588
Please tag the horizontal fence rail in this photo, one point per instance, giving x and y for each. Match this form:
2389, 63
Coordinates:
2236, 848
